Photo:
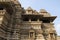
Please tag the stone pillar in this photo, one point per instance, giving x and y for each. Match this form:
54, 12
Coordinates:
49, 37
38, 20
29, 20
54, 37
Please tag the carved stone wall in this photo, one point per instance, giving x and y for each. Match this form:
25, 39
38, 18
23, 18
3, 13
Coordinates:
17, 23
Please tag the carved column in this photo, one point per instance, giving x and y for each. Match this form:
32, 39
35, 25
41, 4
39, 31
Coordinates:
38, 20
29, 20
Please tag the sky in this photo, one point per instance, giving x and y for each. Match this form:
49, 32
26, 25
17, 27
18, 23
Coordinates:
52, 6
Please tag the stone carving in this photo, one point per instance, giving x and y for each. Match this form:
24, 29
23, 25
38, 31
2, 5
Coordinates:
16, 22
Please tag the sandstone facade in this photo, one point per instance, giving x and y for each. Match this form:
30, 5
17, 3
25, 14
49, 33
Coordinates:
17, 23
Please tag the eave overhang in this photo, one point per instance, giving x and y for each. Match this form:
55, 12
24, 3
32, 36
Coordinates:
39, 16
36, 16
51, 18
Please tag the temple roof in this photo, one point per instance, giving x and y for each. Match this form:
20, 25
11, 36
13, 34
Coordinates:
29, 8
43, 11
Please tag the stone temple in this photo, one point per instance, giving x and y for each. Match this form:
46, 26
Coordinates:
17, 23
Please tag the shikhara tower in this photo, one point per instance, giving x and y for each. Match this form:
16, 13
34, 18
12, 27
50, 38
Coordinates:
17, 23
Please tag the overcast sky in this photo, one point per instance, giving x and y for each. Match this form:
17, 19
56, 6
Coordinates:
52, 6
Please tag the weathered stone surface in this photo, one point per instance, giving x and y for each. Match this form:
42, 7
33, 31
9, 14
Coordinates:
17, 23
58, 37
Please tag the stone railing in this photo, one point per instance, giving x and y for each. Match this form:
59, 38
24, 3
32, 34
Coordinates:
33, 24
